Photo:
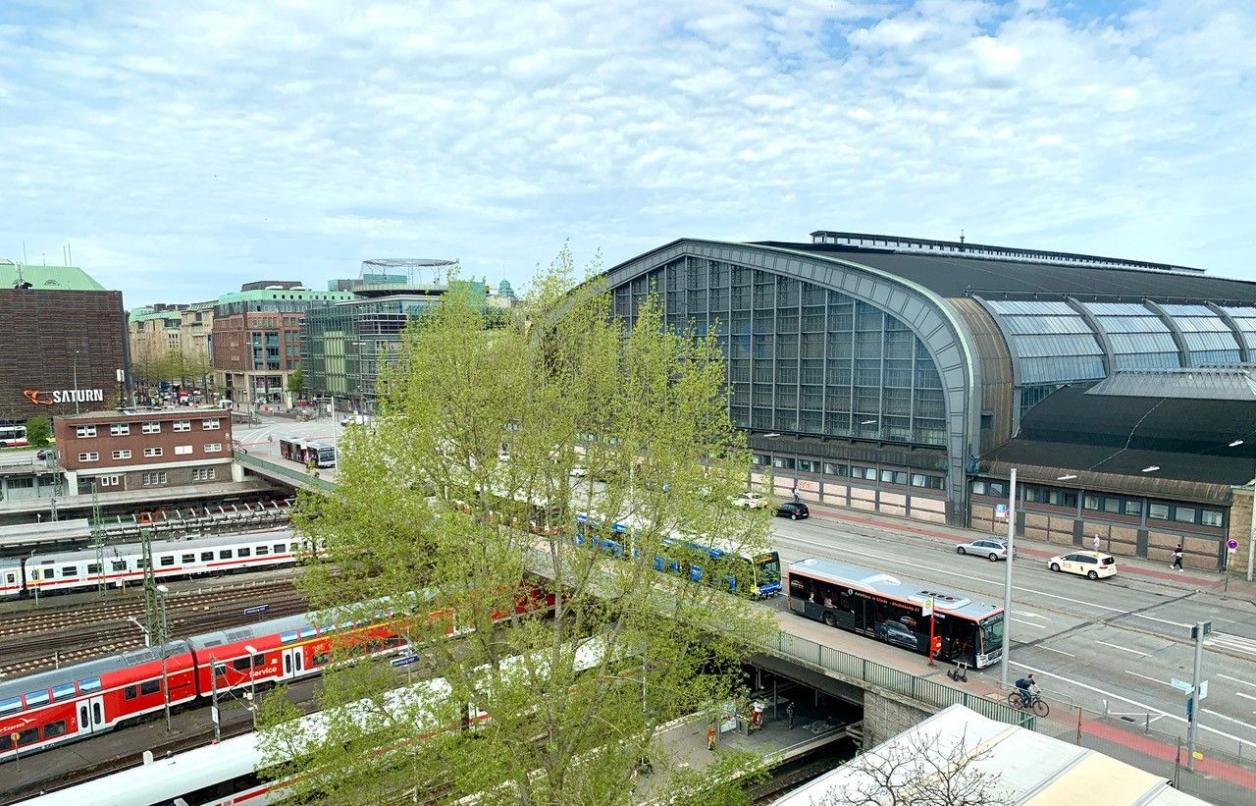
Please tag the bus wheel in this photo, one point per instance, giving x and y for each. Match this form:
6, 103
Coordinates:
830, 619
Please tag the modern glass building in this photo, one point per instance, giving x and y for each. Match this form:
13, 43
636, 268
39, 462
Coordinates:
876, 372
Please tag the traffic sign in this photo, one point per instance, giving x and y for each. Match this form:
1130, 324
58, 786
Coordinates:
1181, 685
926, 607
213, 713
1232, 545
1000, 511
406, 661
1203, 690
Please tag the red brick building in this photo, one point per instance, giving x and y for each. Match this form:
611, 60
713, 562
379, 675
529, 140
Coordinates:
136, 450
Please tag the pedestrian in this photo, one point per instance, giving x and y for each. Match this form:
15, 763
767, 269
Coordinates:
711, 737
796, 498
789, 714
1177, 558
1096, 543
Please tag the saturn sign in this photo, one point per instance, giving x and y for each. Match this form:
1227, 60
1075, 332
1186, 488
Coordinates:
58, 396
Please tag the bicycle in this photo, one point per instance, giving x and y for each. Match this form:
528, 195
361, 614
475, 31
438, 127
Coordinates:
1040, 708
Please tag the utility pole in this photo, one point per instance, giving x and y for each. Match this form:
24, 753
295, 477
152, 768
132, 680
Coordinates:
153, 620
1007, 578
1199, 689
98, 541
213, 702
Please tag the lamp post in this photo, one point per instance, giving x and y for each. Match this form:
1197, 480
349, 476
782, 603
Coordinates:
252, 683
162, 590
1251, 538
1007, 578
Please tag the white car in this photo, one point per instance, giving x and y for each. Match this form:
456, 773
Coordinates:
992, 550
1090, 564
750, 500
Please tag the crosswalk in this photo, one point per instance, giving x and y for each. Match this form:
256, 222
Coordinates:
1232, 643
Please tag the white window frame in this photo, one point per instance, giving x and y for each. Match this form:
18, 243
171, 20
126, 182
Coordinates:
122, 454
152, 452
181, 425
213, 447
85, 431
151, 427
89, 456
119, 429
211, 425
182, 450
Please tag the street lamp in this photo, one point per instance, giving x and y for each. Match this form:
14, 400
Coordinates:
1007, 578
252, 683
162, 590
1251, 540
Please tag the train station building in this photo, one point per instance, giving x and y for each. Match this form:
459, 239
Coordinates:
908, 376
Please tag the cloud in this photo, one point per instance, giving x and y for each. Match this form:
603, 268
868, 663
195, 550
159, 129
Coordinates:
182, 152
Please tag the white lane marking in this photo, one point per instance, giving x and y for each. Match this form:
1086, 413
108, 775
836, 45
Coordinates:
846, 550
1244, 696
1237, 680
1152, 679
1053, 649
1032, 615
1235, 642
1029, 623
1124, 649
1145, 707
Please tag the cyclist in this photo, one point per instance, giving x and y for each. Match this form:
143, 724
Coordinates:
1028, 689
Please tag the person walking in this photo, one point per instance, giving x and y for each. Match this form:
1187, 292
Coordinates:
797, 500
789, 714
711, 737
1096, 542
1177, 558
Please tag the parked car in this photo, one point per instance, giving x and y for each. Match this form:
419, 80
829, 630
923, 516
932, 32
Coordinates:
749, 500
793, 510
1090, 564
992, 550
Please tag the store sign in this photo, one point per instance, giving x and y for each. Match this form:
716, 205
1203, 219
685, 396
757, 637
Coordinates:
42, 398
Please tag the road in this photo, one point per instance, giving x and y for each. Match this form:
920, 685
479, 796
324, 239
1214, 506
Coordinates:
1121, 640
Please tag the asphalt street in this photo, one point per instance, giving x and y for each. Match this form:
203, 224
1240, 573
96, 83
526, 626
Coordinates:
1119, 642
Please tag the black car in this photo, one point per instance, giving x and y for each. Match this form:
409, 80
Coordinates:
793, 511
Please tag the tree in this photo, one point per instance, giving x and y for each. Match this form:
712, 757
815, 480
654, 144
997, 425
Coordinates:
39, 431
920, 770
427, 502
296, 381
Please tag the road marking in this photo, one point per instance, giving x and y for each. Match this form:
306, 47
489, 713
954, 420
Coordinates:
1235, 642
1152, 679
1124, 649
1032, 615
1244, 696
1053, 649
1146, 707
1028, 623
1236, 680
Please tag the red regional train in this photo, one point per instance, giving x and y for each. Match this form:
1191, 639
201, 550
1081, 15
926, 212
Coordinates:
74, 702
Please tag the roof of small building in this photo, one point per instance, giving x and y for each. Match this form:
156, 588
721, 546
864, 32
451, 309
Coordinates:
1026, 767
47, 278
1196, 383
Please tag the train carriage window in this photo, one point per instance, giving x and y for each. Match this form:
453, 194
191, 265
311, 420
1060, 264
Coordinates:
240, 664
89, 685
69, 571
225, 554
280, 548
63, 692
150, 687
220, 670
34, 698
129, 693
6, 743
53, 729
262, 551
167, 560
243, 551
93, 568
28, 736
188, 559
206, 556
10, 706
118, 565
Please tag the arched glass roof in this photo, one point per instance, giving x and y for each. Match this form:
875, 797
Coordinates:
1138, 337
1209, 340
1051, 341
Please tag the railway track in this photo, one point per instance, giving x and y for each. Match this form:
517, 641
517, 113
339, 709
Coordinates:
38, 642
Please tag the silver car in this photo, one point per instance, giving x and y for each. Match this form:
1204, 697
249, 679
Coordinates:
992, 550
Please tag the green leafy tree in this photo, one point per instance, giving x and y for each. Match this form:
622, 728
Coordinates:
39, 431
472, 478
296, 381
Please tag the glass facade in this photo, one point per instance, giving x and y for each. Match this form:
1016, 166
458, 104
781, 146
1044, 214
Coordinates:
1139, 338
801, 358
1245, 320
1052, 342
1209, 339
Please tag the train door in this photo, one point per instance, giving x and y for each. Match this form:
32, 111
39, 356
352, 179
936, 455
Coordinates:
293, 662
91, 715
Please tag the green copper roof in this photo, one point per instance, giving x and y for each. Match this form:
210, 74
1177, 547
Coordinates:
266, 294
48, 278
143, 315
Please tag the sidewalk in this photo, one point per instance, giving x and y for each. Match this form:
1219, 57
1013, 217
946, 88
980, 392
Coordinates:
1137, 567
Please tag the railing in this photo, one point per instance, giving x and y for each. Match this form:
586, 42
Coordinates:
862, 670
299, 477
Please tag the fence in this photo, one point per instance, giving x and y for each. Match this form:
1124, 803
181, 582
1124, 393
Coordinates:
887, 678
269, 468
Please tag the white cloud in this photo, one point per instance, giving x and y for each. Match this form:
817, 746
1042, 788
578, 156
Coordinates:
183, 153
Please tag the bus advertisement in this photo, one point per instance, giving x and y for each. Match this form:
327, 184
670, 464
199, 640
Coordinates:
892, 610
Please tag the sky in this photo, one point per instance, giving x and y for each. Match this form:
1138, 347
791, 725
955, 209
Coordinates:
181, 149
